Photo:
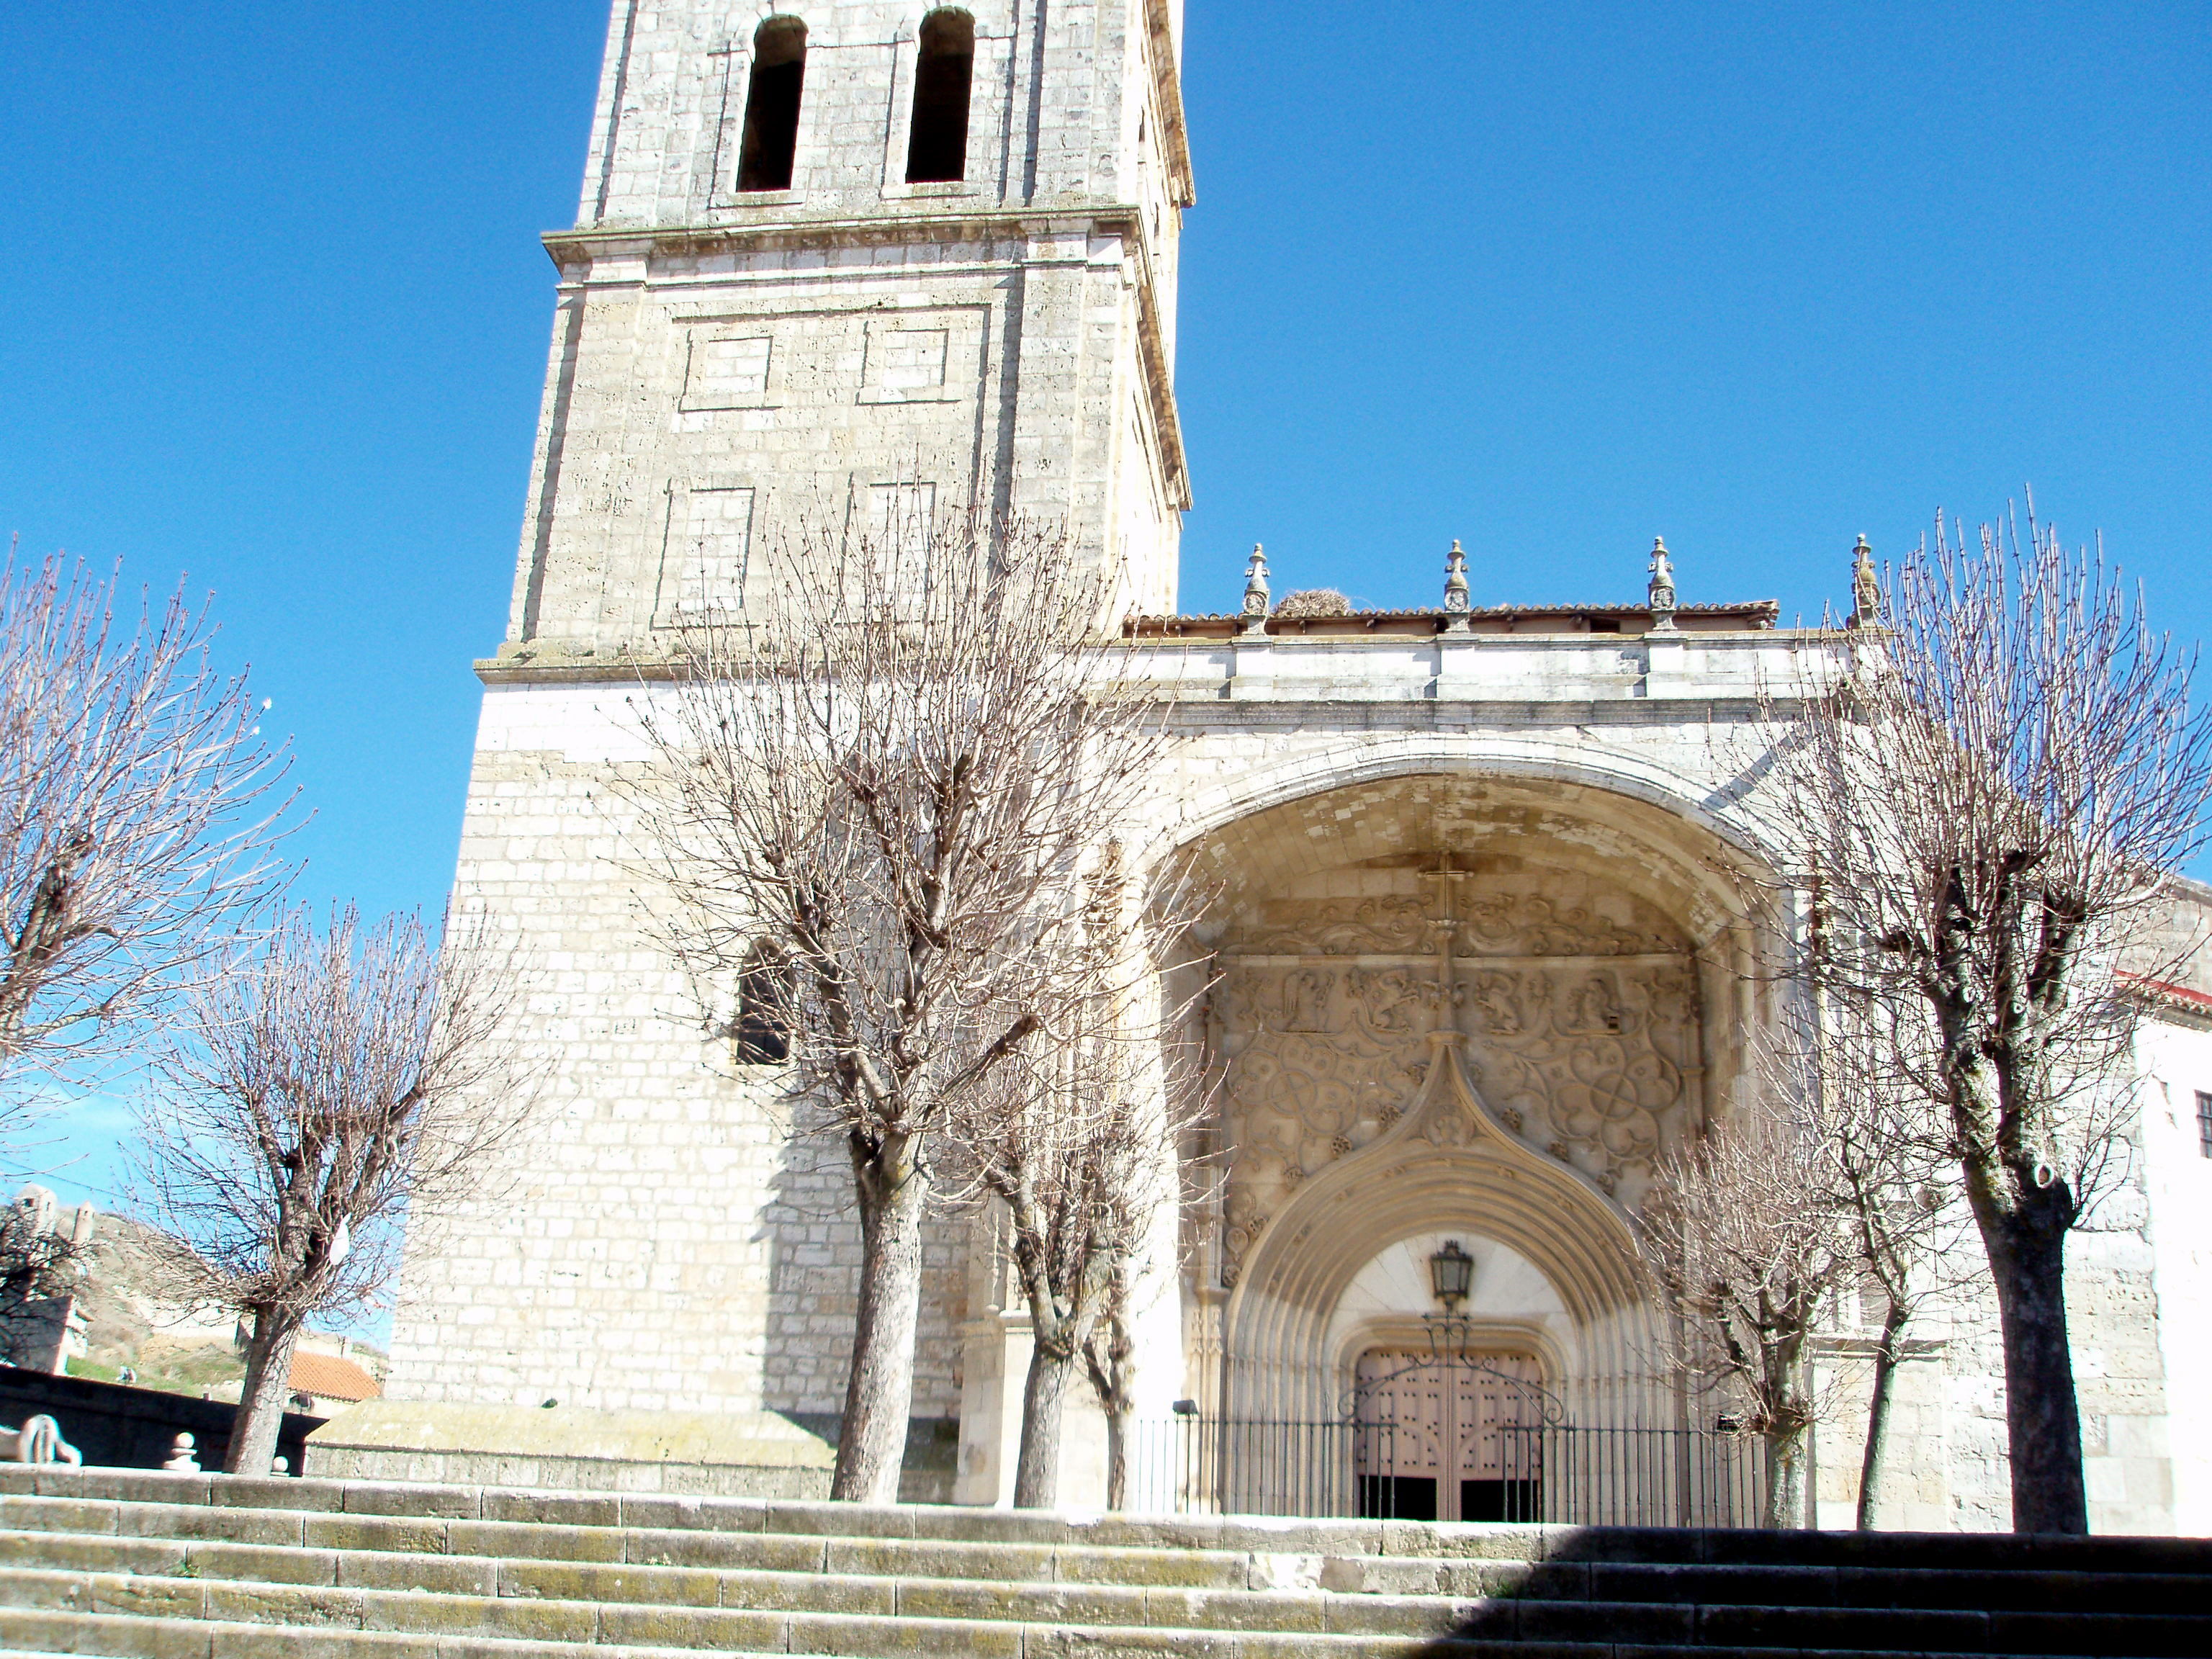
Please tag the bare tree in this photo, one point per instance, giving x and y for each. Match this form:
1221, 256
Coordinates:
1879, 1164
328, 1081
893, 779
136, 816
1106, 1358
1737, 1236
1078, 1135
1994, 792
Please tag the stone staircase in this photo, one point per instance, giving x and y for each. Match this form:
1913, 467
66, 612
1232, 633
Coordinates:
125, 1562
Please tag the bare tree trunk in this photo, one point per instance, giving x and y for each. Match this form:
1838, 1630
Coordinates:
1785, 1480
261, 1399
1037, 1474
1117, 1460
1873, 1469
2043, 1420
893, 1191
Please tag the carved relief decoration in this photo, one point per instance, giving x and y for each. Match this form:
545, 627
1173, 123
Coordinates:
1576, 1050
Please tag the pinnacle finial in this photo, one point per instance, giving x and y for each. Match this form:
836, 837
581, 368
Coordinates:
1456, 592
1255, 586
1659, 591
1866, 587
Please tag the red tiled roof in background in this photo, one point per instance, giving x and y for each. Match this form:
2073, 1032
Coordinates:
328, 1378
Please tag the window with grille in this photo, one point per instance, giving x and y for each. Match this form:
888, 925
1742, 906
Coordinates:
2204, 1123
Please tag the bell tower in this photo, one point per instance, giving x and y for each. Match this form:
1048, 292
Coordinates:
837, 262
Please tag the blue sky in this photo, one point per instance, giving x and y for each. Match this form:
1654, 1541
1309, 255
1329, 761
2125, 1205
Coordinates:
1551, 280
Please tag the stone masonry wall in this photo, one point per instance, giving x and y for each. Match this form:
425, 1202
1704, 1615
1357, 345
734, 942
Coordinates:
660, 1242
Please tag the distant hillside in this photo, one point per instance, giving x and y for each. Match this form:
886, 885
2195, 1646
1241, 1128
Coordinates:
128, 1323
168, 1345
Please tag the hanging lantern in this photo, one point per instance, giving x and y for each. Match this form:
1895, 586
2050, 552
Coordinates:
1451, 1273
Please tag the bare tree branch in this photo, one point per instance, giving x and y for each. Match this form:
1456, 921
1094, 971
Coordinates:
1990, 797
896, 777
137, 813
332, 1078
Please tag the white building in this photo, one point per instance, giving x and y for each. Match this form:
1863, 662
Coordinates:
834, 263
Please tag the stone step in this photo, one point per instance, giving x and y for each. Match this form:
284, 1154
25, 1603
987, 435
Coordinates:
1229, 1536
949, 1617
607, 1585
515, 1557
90, 1557
124, 1638
436, 1617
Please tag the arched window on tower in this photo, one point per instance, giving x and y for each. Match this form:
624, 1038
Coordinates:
772, 105
945, 64
762, 1031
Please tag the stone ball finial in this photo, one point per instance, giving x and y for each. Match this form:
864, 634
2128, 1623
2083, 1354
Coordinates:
183, 1456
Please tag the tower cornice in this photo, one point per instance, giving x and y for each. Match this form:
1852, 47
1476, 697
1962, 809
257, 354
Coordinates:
1167, 89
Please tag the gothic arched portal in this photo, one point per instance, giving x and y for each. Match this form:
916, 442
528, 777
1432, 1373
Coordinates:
1457, 1003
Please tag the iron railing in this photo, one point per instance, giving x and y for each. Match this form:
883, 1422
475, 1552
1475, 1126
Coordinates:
1560, 1473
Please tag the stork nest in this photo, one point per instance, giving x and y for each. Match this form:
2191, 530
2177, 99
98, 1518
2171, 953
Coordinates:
1313, 602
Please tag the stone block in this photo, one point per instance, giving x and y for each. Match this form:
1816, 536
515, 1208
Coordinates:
842, 1519
479, 1615
548, 1543
50, 1632
285, 1604
810, 1593
242, 1491
412, 1572
124, 1485
698, 1513
1886, 1629
680, 1547
277, 1565
250, 1642
417, 1501
1412, 1615
1193, 1569
58, 1552
282, 1527
835, 1633
560, 1508
572, 1581
20, 1512
726, 1629
395, 1533
158, 1598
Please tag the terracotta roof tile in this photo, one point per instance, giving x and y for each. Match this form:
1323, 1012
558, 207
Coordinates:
328, 1378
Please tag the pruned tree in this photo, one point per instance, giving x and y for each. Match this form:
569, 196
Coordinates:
1078, 1135
893, 776
1879, 1163
1992, 790
137, 812
1108, 1359
333, 1078
1743, 1249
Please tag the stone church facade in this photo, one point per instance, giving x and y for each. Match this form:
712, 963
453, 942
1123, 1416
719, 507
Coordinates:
1485, 870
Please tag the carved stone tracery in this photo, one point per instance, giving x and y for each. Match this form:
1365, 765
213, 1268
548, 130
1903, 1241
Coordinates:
1575, 1015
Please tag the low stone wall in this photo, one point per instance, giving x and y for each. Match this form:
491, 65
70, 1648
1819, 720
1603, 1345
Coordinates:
739, 1455
116, 1426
